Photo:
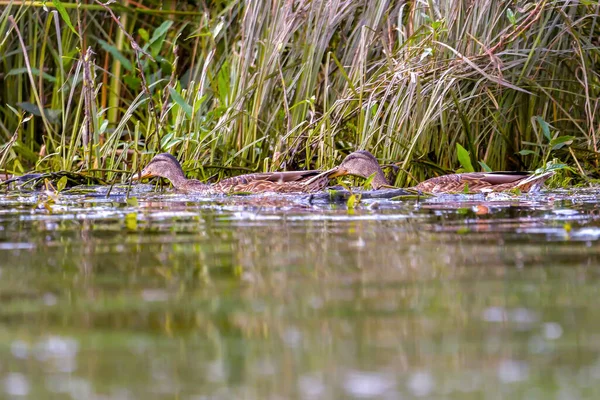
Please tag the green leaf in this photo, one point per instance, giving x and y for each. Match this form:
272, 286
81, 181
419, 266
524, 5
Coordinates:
158, 37
552, 166
64, 14
527, 152
116, 54
426, 53
144, 34
511, 16
181, 102
131, 221
545, 127
464, 159
133, 201
368, 181
561, 141
13, 110
34, 72
160, 31
223, 83
61, 184
198, 103
484, 166
52, 115
352, 201
466, 189
133, 82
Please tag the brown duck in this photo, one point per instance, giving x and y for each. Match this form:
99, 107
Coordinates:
483, 182
360, 163
364, 164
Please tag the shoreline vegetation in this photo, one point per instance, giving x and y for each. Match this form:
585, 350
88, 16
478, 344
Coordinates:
235, 86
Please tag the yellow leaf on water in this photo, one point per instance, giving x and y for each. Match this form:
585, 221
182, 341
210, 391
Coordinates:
352, 201
61, 184
133, 201
131, 221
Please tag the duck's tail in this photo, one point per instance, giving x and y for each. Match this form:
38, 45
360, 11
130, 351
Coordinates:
534, 182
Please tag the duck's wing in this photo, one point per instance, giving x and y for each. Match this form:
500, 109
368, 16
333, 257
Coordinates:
278, 182
482, 181
495, 178
535, 182
281, 182
278, 177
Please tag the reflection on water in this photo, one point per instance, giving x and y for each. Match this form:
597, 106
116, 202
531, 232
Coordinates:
270, 298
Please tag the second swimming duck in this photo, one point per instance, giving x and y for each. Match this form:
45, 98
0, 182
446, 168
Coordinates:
483, 182
472, 182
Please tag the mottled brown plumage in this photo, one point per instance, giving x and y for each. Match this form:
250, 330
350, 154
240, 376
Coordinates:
481, 182
167, 166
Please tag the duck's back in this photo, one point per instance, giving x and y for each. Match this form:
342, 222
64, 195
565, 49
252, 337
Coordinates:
280, 182
481, 181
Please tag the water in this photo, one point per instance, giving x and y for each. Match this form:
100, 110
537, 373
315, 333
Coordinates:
257, 297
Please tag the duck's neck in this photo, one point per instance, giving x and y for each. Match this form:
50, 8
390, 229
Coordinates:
181, 183
178, 181
175, 175
379, 179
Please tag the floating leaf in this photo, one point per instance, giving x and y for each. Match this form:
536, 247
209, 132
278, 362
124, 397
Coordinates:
133, 201
131, 221
464, 159
352, 202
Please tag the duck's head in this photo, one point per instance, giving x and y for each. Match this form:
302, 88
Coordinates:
364, 164
163, 165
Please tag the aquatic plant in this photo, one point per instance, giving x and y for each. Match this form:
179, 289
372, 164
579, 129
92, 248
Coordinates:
267, 85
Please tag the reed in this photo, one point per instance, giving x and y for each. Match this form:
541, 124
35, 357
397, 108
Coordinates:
275, 84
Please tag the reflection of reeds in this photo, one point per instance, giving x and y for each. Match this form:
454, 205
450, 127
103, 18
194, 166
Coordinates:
279, 84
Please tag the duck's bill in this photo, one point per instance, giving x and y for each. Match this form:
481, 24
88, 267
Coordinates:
140, 176
335, 172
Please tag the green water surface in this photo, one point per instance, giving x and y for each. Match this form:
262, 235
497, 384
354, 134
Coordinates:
261, 298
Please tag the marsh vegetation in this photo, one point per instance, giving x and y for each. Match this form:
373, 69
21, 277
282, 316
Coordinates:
237, 86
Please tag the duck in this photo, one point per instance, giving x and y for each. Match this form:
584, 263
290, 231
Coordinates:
484, 182
359, 163
363, 164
